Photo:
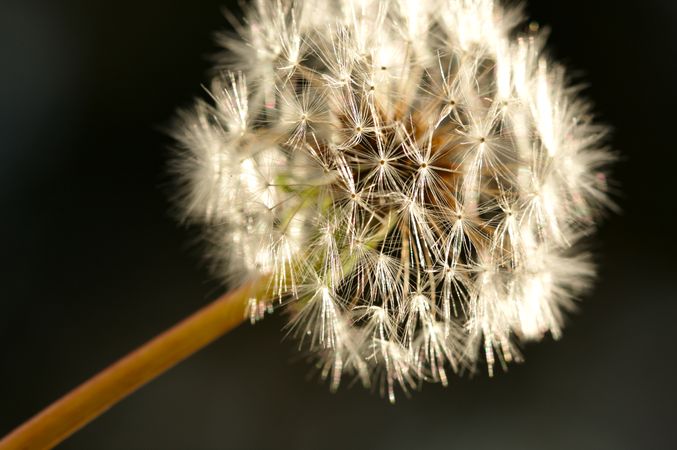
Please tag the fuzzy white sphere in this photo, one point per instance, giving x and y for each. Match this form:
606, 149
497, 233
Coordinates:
414, 174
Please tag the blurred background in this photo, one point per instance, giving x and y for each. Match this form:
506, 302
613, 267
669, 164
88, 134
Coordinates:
94, 264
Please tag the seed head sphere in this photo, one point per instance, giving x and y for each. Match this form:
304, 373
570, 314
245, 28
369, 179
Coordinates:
414, 176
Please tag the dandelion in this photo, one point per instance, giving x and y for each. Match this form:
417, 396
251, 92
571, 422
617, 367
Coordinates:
415, 175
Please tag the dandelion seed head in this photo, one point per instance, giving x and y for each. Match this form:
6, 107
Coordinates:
415, 176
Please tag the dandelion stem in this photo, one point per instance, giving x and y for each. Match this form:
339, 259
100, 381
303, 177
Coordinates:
86, 402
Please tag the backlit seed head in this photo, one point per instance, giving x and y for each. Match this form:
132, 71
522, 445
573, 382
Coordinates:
415, 175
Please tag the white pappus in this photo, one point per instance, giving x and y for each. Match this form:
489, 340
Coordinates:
414, 175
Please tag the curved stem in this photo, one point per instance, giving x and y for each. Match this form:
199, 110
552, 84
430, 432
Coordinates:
96, 395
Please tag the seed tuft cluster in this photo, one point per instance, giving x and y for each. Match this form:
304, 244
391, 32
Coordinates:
413, 174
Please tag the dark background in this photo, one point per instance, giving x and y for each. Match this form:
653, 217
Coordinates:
94, 264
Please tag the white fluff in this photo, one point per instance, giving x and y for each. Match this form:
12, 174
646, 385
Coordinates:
414, 174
